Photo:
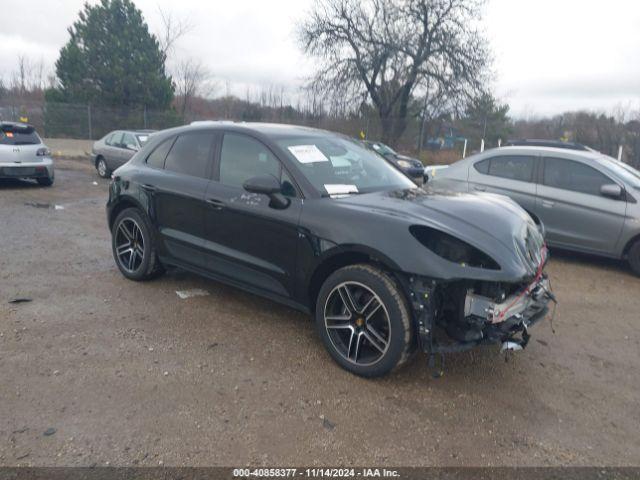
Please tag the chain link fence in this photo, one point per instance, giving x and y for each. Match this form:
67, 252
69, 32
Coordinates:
89, 122
78, 121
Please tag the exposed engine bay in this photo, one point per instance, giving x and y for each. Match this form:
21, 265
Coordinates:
457, 316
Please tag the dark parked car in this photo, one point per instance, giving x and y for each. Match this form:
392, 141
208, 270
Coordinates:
116, 148
23, 155
314, 220
411, 167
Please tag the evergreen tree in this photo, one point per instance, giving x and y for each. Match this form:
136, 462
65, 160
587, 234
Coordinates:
112, 59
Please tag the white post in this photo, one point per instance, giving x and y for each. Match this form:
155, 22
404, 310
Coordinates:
499, 142
620, 153
482, 146
464, 150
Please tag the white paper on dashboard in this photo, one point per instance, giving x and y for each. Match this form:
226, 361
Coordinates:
308, 154
336, 189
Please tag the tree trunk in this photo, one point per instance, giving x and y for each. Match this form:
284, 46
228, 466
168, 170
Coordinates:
386, 122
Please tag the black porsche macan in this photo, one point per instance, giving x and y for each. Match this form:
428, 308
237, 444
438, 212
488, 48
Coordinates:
314, 220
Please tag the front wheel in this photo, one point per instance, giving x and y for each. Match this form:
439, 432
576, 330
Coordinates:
634, 257
101, 167
364, 321
133, 246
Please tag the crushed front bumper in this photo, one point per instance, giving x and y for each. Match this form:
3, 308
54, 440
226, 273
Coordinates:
482, 320
514, 314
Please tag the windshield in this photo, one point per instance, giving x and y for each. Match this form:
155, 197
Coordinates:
15, 135
629, 174
338, 166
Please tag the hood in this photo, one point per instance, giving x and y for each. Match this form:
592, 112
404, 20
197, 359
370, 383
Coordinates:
414, 161
494, 224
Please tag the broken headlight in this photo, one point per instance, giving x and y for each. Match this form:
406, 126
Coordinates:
452, 248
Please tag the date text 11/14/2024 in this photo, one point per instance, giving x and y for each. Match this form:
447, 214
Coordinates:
315, 472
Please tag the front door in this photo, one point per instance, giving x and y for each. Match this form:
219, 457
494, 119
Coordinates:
128, 150
247, 240
112, 150
574, 212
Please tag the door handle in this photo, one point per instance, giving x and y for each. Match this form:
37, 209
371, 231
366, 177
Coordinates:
480, 189
215, 203
548, 204
148, 187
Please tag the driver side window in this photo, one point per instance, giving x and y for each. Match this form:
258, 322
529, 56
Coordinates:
128, 140
115, 140
243, 157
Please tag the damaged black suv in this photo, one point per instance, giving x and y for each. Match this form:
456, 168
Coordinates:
314, 220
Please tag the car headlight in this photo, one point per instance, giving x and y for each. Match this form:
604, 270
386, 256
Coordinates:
404, 164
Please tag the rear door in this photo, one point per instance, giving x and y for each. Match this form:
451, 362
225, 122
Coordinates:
572, 209
511, 175
176, 184
247, 240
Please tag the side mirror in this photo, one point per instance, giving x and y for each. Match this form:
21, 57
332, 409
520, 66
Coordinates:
611, 191
133, 147
270, 186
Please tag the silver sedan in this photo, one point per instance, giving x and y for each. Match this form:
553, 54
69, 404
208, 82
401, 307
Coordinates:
587, 201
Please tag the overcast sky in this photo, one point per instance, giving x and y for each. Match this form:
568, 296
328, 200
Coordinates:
549, 55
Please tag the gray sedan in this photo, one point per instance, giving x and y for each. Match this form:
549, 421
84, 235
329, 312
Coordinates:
587, 202
116, 148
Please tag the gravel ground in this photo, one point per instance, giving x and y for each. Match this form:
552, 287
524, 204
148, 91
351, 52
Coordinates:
100, 370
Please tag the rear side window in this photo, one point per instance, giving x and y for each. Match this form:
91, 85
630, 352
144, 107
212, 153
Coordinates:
483, 166
513, 167
191, 154
11, 135
157, 157
574, 176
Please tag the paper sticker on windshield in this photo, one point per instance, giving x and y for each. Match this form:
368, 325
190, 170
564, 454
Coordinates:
336, 189
308, 154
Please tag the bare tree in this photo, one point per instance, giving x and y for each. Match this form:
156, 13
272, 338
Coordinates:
389, 48
28, 77
172, 30
192, 80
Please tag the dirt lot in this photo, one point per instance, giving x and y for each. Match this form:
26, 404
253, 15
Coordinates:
129, 374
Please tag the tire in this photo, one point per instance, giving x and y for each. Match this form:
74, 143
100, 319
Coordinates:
101, 168
46, 181
145, 264
351, 342
634, 257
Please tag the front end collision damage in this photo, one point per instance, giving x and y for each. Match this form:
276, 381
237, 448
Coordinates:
455, 316
460, 314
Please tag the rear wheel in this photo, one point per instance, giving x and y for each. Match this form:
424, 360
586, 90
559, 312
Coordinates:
364, 321
133, 246
46, 181
634, 257
101, 167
